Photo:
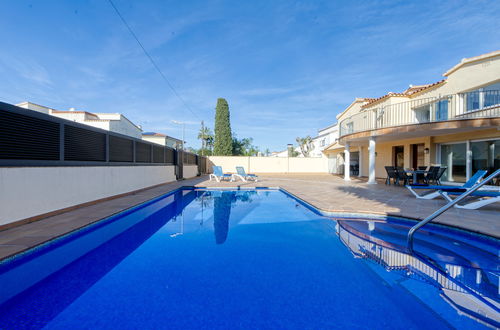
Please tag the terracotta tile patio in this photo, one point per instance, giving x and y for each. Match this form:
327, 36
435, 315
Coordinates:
326, 192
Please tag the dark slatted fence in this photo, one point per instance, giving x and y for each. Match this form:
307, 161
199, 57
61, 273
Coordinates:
120, 149
31, 138
84, 145
158, 154
142, 152
170, 156
202, 165
25, 137
189, 158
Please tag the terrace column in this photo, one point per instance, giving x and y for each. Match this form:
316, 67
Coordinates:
468, 161
347, 162
361, 161
371, 161
481, 98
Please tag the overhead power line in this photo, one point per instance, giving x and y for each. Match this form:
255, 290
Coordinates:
151, 59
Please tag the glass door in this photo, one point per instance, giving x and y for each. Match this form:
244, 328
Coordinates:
485, 155
355, 163
417, 155
453, 157
398, 157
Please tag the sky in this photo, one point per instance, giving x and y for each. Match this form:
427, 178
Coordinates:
286, 68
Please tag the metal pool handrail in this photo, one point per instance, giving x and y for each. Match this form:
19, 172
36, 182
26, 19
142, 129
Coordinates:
447, 207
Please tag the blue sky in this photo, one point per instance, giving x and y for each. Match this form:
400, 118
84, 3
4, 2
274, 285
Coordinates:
285, 67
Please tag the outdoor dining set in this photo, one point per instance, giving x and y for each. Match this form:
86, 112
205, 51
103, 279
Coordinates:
424, 174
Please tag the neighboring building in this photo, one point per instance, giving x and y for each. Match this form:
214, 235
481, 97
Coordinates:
454, 123
285, 153
113, 122
162, 139
325, 137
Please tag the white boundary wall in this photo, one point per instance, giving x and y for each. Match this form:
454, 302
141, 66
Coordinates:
189, 171
270, 164
30, 191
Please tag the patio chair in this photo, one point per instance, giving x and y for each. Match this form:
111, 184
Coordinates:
240, 173
432, 175
438, 190
485, 198
401, 175
354, 169
440, 174
218, 175
422, 176
391, 174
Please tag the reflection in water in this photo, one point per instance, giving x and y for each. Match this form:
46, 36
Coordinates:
222, 212
223, 201
470, 290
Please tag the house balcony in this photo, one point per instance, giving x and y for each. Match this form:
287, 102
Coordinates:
425, 116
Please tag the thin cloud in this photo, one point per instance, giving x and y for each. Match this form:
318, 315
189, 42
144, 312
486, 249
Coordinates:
28, 68
267, 91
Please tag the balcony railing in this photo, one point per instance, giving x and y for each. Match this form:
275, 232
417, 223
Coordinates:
477, 104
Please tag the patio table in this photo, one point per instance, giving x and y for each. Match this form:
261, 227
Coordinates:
415, 174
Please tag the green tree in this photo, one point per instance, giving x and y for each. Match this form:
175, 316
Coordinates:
292, 152
223, 142
207, 141
305, 145
244, 147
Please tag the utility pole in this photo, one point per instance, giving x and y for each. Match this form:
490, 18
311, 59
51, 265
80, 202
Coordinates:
183, 129
202, 138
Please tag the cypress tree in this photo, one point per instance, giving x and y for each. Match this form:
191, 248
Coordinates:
223, 142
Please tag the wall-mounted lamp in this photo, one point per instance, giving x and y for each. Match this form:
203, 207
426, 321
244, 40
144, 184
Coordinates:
426, 150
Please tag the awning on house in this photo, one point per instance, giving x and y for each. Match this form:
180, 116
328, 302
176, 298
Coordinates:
334, 147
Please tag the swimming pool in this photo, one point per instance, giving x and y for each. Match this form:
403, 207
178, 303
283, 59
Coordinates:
260, 259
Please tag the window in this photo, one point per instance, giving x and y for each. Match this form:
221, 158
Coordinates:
349, 127
322, 143
472, 100
423, 113
442, 110
483, 97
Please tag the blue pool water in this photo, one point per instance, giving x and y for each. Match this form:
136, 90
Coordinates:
256, 259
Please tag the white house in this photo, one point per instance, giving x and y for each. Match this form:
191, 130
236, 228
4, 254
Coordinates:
162, 139
114, 122
452, 123
325, 137
285, 153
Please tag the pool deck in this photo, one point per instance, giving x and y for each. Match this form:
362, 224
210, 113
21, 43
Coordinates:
324, 191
